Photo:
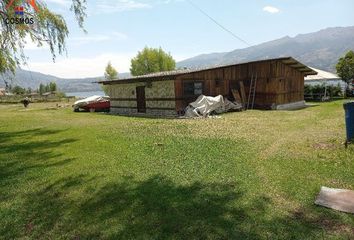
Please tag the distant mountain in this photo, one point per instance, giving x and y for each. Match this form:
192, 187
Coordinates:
320, 50
29, 79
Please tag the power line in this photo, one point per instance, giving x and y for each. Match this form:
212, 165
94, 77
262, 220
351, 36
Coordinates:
217, 23
30, 72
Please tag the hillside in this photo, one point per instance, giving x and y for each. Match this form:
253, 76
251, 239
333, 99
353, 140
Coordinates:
320, 50
29, 79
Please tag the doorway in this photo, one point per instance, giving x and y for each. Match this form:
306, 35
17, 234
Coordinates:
140, 99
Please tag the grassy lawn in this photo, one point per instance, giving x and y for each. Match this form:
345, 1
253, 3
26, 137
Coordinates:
250, 175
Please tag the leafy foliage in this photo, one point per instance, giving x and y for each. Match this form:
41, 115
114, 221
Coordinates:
17, 90
151, 60
41, 89
316, 92
110, 72
51, 87
345, 67
47, 28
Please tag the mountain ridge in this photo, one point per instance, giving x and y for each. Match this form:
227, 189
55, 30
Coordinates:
32, 79
320, 49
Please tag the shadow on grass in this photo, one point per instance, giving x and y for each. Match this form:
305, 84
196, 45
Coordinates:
152, 209
79, 206
21, 152
25, 158
157, 208
8, 136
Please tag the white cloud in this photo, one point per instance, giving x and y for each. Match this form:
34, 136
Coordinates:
271, 9
119, 36
30, 45
87, 67
83, 67
34, 47
170, 1
78, 41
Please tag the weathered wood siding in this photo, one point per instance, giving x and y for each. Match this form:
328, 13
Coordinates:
277, 83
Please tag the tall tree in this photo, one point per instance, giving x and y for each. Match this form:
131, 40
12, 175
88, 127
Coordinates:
110, 72
37, 24
41, 89
151, 60
345, 67
52, 86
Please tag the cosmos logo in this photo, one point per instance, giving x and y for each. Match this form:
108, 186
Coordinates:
20, 15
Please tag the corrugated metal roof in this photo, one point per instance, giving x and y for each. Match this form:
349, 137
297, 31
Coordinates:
170, 75
322, 75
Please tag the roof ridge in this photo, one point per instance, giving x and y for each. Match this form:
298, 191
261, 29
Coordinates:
173, 73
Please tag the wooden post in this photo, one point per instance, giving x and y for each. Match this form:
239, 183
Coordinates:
243, 94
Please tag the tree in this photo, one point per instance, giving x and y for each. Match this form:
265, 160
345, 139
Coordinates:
52, 87
345, 67
46, 88
38, 24
110, 72
41, 89
105, 89
18, 90
151, 60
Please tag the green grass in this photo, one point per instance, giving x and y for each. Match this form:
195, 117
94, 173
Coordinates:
249, 175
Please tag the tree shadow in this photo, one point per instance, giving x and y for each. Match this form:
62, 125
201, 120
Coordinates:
158, 208
21, 151
7, 136
82, 206
23, 157
44, 210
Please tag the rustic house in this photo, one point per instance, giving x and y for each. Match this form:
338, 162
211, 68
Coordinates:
271, 84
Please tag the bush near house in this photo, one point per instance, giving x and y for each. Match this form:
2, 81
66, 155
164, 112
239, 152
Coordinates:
318, 92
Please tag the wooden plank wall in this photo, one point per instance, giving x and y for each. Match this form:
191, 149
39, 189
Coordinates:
277, 83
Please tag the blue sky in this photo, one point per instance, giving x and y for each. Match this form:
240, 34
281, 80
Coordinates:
118, 29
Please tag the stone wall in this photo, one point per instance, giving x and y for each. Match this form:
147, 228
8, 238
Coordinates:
159, 96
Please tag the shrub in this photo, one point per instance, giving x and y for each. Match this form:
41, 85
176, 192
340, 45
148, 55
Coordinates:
317, 92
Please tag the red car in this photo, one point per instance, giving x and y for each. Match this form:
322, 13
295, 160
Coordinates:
93, 104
